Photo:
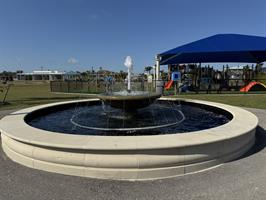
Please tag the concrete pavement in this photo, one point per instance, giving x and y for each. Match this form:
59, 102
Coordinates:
244, 178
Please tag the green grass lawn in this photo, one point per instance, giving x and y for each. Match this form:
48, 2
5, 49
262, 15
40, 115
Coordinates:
242, 100
25, 95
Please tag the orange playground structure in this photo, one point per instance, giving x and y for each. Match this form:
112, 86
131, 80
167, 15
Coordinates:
250, 85
168, 85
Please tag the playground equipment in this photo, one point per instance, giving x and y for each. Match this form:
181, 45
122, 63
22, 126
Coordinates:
168, 85
248, 87
175, 80
198, 78
181, 80
4, 89
184, 88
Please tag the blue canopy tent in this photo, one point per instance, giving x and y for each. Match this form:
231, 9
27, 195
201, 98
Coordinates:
218, 48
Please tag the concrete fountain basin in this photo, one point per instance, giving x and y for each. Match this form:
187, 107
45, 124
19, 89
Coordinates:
127, 157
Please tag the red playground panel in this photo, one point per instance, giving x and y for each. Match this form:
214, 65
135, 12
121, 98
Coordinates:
168, 85
250, 85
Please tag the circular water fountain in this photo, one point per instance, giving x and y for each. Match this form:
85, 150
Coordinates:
110, 121
129, 157
139, 138
160, 118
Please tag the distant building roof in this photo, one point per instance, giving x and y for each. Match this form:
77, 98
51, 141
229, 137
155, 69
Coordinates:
43, 72
47, 72
72, 73
237, 67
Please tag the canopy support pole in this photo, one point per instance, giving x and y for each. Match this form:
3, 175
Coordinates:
157, 68
159, 83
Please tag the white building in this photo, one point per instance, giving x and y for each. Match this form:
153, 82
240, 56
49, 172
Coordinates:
48, 76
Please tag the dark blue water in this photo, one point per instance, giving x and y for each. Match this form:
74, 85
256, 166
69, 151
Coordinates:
87, 119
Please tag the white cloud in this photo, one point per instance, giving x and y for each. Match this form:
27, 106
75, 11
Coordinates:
72, 60
94, 16
18, 59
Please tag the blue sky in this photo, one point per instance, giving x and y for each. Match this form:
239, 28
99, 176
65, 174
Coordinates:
78, 34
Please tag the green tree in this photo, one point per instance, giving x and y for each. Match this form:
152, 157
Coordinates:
148, 69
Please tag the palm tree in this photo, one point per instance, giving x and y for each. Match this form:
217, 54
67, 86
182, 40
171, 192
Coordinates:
148, 69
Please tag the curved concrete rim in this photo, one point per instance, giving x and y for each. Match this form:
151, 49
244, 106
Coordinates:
15, 127
127, 157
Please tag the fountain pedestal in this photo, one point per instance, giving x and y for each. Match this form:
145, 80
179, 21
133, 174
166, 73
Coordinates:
129, 102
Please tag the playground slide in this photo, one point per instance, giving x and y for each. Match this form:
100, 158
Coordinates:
184, 88
250, 85
168, 85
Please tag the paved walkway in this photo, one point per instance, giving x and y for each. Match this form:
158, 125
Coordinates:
243, 179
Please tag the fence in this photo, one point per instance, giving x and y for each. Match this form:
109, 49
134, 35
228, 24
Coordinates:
233, 86
97, 87
93, 87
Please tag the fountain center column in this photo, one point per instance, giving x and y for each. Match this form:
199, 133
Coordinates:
129, 64
129, 80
